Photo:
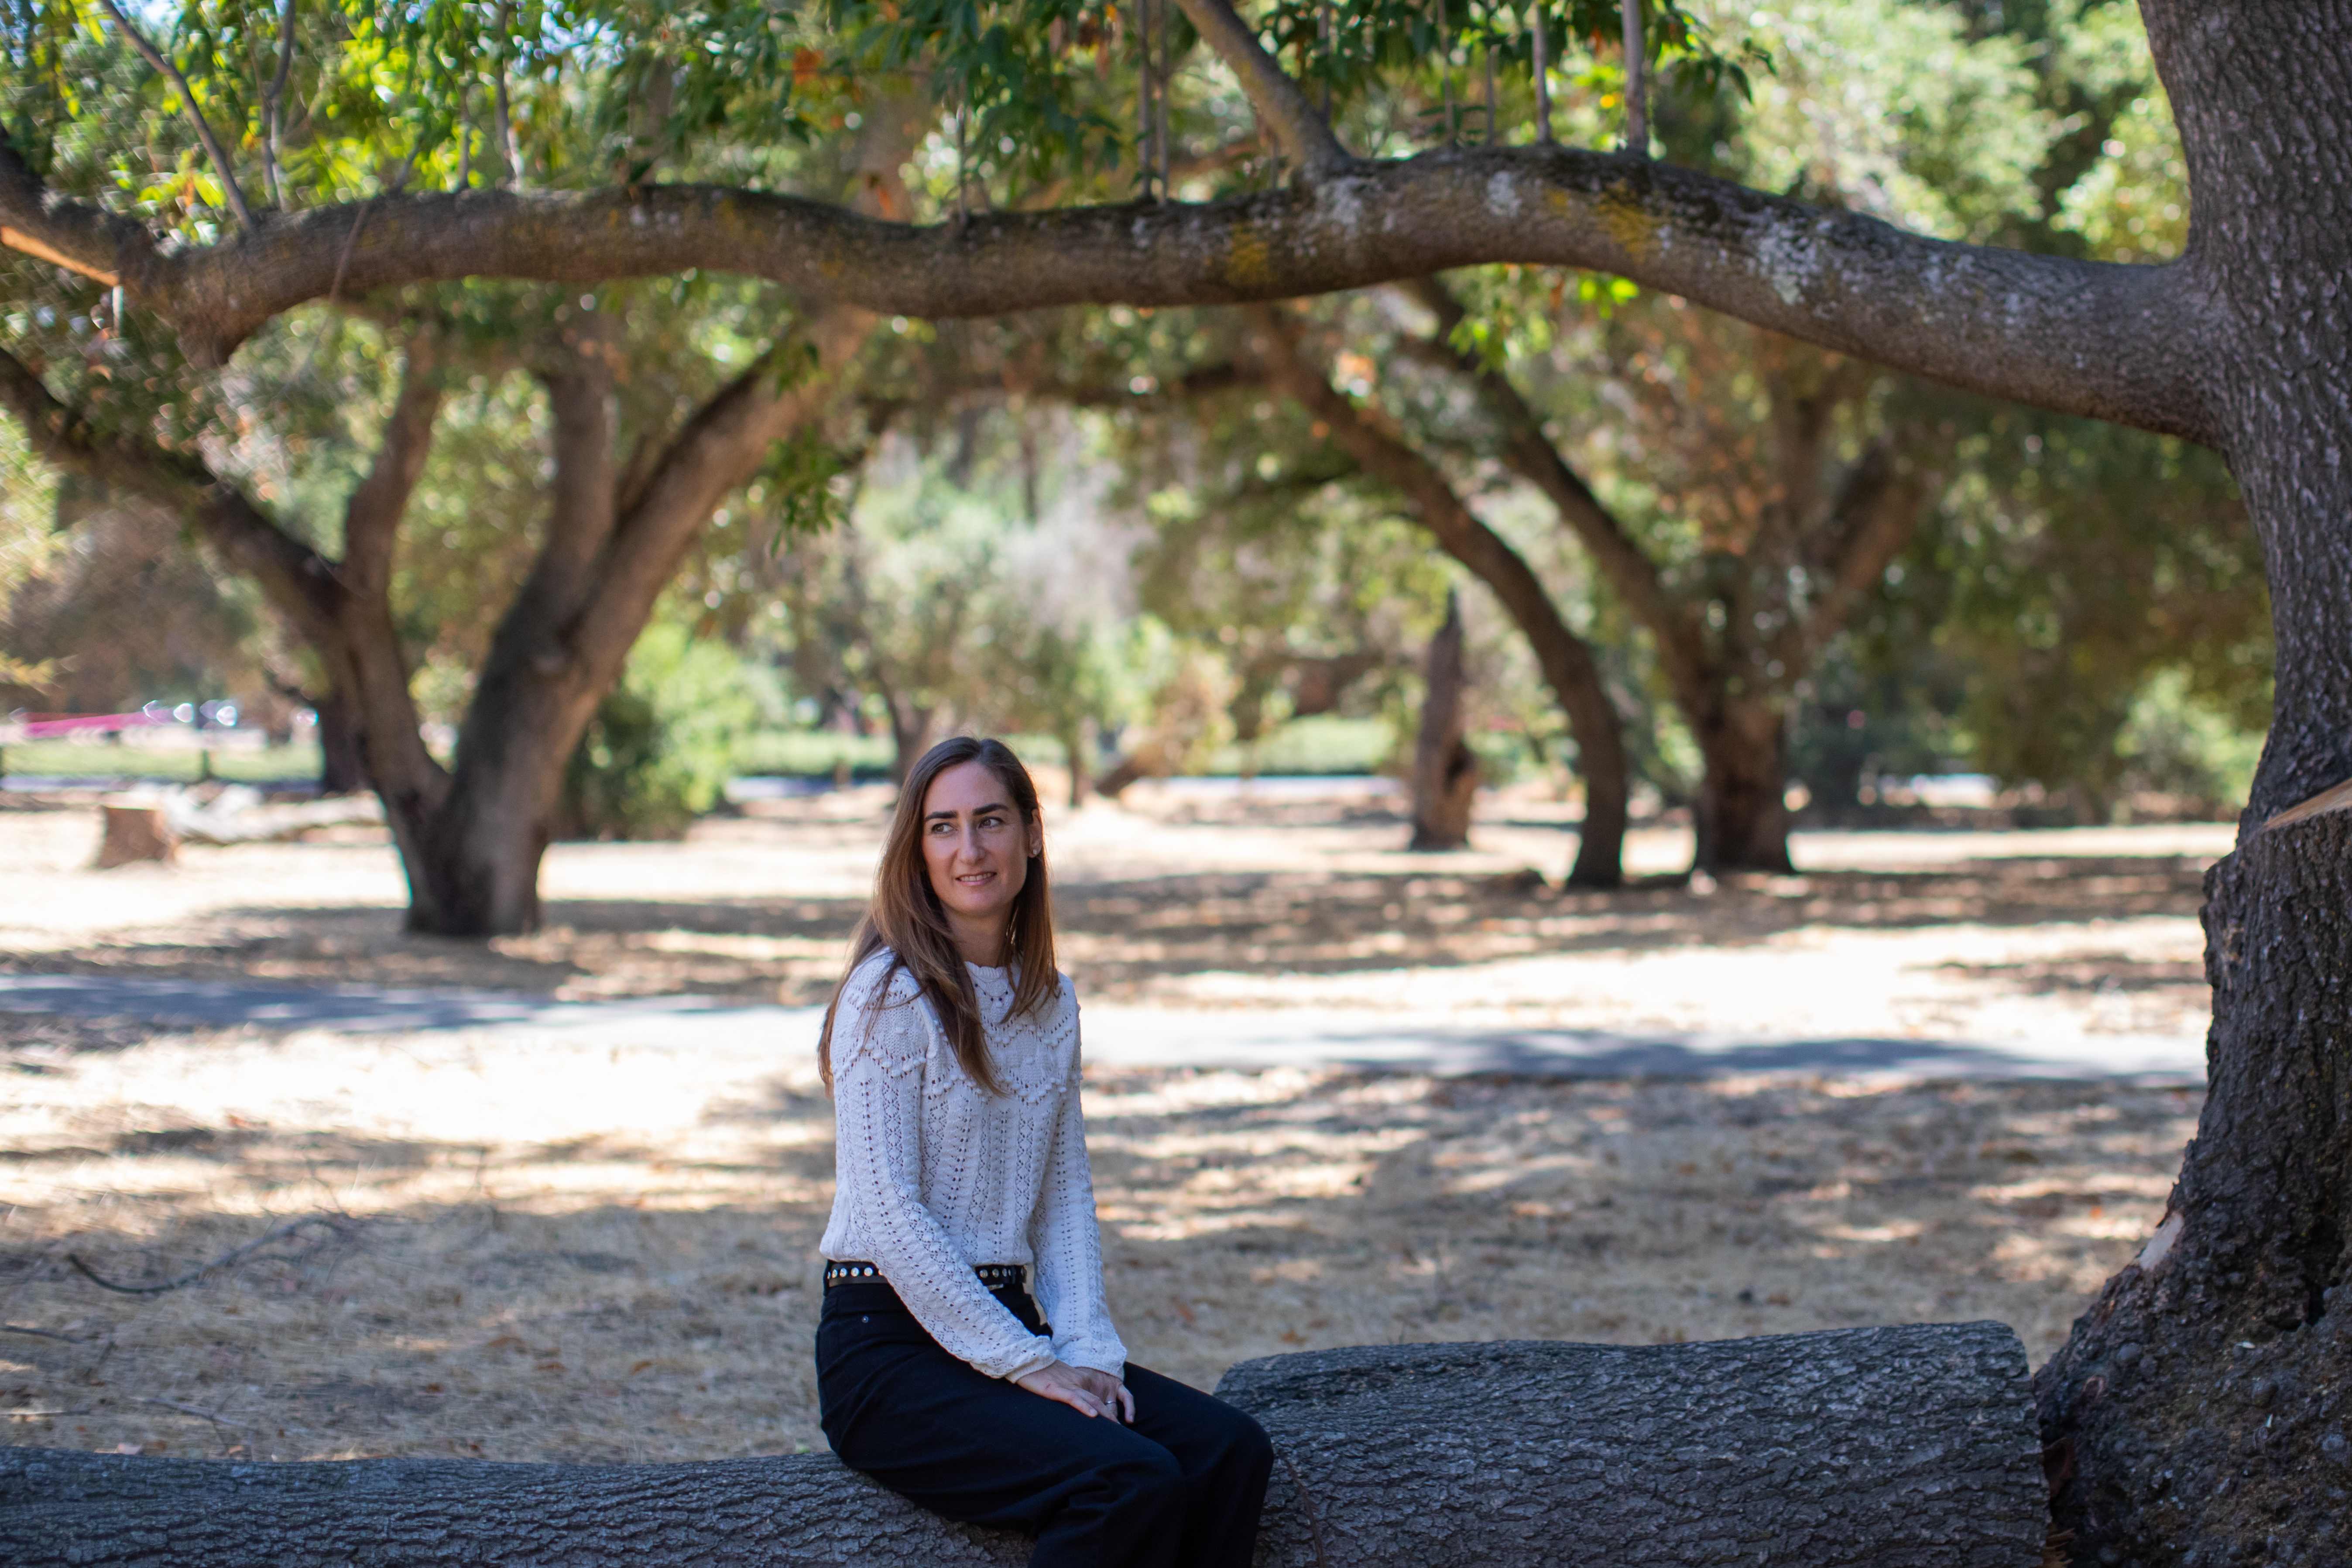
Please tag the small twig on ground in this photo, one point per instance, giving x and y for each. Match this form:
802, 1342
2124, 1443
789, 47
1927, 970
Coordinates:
334, 1205
34, 1271
45, 1333
212, 1416
90, 1375
45, 1415
341, 1225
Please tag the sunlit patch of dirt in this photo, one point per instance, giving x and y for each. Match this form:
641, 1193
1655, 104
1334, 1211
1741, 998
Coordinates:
1183, 901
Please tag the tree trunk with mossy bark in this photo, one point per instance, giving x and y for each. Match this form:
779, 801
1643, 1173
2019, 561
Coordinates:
1909, 1448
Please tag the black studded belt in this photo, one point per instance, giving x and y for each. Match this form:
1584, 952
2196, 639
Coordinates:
995, 1275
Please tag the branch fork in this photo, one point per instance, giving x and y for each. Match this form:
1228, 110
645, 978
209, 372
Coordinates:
1285, 113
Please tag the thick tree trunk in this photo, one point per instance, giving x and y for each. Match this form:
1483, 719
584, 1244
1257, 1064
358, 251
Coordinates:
1076, 740
473, 866
2201, 1413
341, 768
1741, 815
1909, 1448
1444, 769
910, 737
473, 860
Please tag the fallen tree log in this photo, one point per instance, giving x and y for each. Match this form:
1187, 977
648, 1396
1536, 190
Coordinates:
1900, 1447
237, 815
1896, 1447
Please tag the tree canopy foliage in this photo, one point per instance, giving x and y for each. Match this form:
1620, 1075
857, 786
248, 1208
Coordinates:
2047, 132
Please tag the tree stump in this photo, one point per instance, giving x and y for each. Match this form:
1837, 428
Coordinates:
1902, 1447
133, 831
1444, 769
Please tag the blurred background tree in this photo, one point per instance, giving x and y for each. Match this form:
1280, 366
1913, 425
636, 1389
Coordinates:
1158, 557
603, 427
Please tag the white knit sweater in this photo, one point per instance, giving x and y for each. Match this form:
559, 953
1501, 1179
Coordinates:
934, 1175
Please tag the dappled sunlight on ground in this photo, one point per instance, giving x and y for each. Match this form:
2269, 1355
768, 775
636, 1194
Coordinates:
526, 1244
1285, 904
609, 1252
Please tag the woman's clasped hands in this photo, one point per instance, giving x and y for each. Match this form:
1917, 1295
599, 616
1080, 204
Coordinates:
1083, 1389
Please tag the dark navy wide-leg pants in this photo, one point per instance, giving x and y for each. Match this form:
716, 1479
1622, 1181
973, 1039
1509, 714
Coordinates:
1181, 1488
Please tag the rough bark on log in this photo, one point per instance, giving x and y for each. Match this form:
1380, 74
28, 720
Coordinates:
132, 833
1897, 1447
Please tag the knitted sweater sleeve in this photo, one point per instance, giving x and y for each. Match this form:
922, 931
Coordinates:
883, 1039
1067, 1244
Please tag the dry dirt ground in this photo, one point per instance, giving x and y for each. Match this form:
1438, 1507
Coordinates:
541, 1250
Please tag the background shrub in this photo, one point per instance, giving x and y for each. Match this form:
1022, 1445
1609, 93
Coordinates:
662, 746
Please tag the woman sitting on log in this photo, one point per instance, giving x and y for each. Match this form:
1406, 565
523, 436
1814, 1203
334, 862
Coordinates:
952, 1048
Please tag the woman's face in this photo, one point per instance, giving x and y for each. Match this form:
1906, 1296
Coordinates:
977, 849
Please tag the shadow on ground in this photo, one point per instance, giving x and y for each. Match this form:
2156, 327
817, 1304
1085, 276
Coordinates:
610, 1294
1121, 936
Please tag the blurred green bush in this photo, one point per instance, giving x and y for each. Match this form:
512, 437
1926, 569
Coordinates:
2175, 744
663, 743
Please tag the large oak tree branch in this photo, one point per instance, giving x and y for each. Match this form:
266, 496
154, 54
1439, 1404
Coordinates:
83, 237
1280, 104
1527, 451
1568, 665
372, 516
2107, 340
298, 580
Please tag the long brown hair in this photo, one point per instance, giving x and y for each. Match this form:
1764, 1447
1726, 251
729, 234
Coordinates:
904, 916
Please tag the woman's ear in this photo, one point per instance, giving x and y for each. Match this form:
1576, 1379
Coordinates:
1036, 837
